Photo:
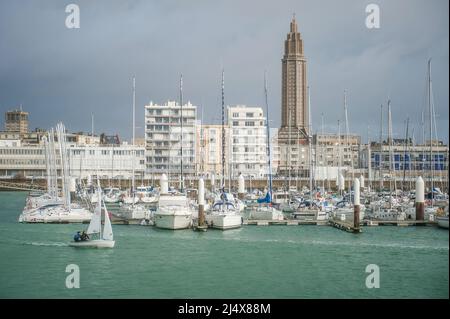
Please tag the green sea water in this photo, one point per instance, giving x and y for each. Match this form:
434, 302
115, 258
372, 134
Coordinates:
251, 262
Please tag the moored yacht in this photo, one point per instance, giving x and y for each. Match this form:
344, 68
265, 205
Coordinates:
224, 215
174, 210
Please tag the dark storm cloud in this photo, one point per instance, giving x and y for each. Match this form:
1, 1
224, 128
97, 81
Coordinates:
62, 74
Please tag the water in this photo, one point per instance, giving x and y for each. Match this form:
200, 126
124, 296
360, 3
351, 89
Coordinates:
252, 262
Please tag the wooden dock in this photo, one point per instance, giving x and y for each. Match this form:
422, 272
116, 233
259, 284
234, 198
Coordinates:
343, 225
398, 223
286, 222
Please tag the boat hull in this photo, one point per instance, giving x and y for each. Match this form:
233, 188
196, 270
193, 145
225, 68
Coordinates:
172, 221
442, 222
265, 214
96, 243
224, 221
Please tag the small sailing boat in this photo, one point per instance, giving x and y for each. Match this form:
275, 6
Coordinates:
266, 211
101, 238
223, 213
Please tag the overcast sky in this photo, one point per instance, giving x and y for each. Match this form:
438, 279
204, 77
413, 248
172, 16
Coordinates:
65, 74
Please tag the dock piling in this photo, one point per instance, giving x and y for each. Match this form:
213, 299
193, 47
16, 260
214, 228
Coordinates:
356, 205
420, 199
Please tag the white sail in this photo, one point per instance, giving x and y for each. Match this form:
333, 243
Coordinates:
107, 229
96, 220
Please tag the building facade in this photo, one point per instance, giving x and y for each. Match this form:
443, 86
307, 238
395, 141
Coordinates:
16, 121
210, 150
23, 160
247, 141
335, 154
404, 161
165, 147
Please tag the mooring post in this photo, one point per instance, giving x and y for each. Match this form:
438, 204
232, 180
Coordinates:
420, 199
356, 204
163, 184
201, 202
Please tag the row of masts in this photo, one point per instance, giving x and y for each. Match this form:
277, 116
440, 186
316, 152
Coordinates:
392, 179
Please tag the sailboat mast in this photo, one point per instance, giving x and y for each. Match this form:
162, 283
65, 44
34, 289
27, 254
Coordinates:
310, 146
413, 142
404, 153
268, 137
431, 131
339, 158
369, 159
181, 138
133, 139
223, 131
321, 131
347, 141
390, 146
380, 168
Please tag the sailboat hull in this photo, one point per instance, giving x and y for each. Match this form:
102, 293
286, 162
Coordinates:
442, 222
97, 243
225, 221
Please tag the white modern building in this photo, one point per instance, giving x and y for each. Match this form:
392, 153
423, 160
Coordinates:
209, 150
247, 141
107, 161
163, 136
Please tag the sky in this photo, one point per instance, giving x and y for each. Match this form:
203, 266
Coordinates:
61, 74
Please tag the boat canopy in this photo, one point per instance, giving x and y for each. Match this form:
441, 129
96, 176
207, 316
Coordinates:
228, 205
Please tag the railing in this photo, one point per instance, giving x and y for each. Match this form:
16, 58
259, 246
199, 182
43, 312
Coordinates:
21, 186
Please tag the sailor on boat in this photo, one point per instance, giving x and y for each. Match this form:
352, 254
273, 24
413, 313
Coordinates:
77, 236
81, 237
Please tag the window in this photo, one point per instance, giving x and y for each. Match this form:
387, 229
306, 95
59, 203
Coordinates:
249, 114
235, 123
235, 114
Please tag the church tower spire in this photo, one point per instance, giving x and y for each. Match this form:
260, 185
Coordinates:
293, 134
294, 108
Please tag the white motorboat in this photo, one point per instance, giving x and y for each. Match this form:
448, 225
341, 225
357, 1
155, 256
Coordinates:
103, 238
173, 212
133, 212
